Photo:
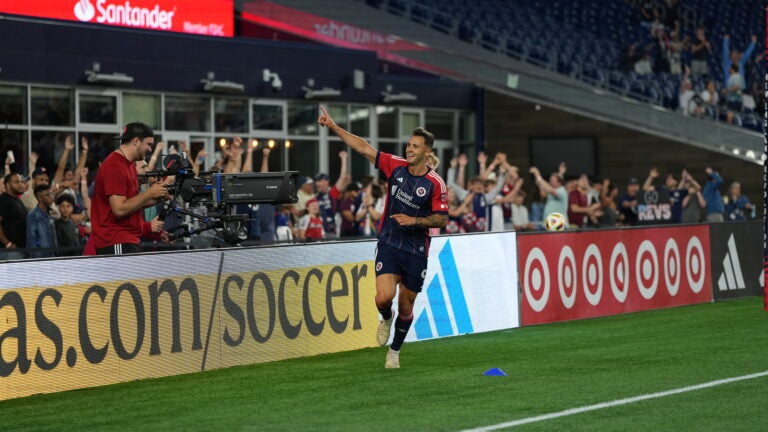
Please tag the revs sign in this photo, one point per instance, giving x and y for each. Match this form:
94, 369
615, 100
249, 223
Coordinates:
206, 17
589, 274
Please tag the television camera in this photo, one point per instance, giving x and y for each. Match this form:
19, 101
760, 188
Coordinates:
219, 194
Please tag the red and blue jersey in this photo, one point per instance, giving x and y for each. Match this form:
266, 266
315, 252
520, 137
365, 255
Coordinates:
418, 196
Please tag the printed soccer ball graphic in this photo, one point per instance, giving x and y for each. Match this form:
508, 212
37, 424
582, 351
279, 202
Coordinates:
555, 222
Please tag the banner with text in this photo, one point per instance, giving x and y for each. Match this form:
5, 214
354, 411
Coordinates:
205, 17
75, 323
567, 276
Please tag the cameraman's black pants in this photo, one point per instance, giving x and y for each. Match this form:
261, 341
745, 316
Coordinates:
119, 249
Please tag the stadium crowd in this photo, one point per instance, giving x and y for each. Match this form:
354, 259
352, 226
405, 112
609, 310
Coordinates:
45, 216
724, 92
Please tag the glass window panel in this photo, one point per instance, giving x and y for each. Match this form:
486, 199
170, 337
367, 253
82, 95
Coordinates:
143, 108
100, 145
16, 142
275, 154
268, 117
303, 156
467, 126
339, 115
13, 105
231, 115
440, 123
387, 121
49, 146
52, 107
471, 151
360, 120
98, 109
359, 166
302, 118
186, 113
411, 121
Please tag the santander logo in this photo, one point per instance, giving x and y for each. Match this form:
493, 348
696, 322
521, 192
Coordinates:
125, 14
84, 10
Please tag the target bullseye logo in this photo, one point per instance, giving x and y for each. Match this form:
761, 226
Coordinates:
592, 274
618, 274
647, 269
695, 264
672, 267
598, 274
566, 277
536, 279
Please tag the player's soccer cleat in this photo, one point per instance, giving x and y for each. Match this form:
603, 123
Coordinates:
385, 327
393, 359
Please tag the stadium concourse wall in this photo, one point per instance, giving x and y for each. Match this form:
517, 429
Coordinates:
84, 322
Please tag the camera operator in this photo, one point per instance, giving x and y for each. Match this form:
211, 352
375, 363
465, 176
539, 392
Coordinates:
117, 203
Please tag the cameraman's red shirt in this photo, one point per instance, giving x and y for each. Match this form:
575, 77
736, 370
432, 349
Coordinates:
116, 176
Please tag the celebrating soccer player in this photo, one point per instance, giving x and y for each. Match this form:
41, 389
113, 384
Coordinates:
416, 201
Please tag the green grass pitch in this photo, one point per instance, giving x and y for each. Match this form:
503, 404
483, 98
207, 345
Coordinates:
441, 387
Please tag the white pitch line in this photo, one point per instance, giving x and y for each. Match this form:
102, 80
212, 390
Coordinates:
614, 403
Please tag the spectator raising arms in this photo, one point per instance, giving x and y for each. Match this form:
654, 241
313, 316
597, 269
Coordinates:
712, 196
557, 195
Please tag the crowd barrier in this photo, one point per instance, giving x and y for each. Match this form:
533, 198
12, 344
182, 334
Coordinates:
89, 321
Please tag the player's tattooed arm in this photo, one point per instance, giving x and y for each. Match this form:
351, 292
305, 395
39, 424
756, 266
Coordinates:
434, 220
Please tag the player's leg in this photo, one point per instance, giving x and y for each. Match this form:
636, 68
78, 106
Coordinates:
405, 301
414, 269
387, 278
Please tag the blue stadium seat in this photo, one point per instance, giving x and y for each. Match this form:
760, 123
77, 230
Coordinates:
584, 38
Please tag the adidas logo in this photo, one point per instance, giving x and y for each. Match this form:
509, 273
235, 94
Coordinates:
437, 319
399, 179
732, 277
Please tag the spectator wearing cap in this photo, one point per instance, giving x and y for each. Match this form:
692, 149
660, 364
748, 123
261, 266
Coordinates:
39, 178
628, 203
41, 231
13, 219
117, 203
310, 225
305, 193
328, 197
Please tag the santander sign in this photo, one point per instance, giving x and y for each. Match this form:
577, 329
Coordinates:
206, 17
125, 14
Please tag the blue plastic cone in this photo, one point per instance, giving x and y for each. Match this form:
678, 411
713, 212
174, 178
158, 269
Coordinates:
494, 372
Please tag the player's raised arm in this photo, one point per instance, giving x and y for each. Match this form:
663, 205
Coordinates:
355, 142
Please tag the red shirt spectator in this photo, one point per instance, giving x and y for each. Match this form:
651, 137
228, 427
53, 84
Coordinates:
116, 176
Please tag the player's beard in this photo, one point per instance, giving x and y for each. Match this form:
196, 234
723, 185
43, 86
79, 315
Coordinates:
418, 159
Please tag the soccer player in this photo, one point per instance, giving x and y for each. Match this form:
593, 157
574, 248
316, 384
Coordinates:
416, 201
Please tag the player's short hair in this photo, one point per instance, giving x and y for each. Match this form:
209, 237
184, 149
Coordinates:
429, 138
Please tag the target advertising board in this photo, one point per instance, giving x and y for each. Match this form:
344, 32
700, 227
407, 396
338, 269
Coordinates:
598, 273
